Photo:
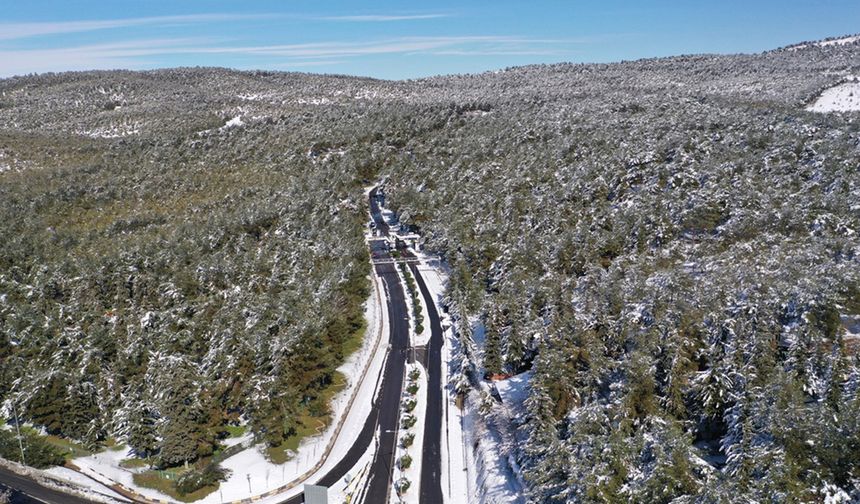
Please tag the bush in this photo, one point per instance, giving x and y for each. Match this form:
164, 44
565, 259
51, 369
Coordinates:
412, 388
209, 475
408, 421
409, 405
414, 374
402, 486
37, 452
407, 440
405, 462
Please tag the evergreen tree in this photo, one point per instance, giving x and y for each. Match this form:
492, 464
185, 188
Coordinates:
493, 343
141, 431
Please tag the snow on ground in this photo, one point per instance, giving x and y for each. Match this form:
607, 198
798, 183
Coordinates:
238, 440
105, 468
233, 123
490, 463
839, 41
113, 131
490, 440
355, 484
254, 464
514, 391
844, 97
827, 43
65, 480
250, 468
95, 491
413, 474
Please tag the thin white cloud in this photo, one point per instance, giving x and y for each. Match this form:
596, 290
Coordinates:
130, 54
315, 63
12, 31
87, 57
390, 46
377, 18
467, 52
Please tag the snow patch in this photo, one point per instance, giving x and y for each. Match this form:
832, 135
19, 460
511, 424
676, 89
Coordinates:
827, 43
233, 123
843, 97
515, 390
112, 131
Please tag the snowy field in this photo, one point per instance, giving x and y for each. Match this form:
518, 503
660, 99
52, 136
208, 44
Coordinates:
844, 97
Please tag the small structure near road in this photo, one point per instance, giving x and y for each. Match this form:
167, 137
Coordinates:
410, 239
316, 494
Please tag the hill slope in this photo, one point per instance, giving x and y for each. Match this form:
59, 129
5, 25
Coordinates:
669, 245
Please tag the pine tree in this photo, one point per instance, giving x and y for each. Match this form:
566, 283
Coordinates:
515, 351
179, 433
141, 431
493, 343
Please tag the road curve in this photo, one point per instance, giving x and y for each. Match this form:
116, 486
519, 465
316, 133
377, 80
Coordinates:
27, 491
385, 412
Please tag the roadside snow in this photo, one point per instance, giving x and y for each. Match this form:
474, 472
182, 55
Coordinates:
353, 486
105, 468
844, 97
490, 463
93, 490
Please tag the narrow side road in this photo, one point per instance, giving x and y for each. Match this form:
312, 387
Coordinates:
431, 459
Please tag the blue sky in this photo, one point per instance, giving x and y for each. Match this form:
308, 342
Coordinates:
396, 40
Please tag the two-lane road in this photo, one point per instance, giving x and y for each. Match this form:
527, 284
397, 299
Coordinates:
385, 412
431, 459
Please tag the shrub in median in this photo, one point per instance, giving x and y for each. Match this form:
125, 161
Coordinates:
408, 421
405, 462
402, 486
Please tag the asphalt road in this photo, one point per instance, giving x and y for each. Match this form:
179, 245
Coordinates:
431, 459
27, 491
385, 411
